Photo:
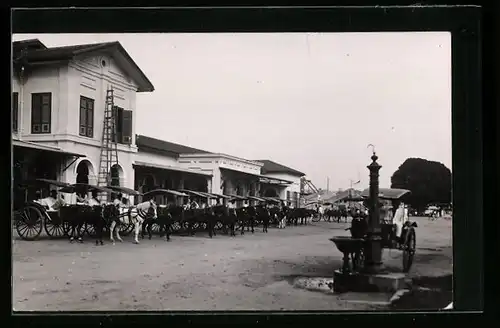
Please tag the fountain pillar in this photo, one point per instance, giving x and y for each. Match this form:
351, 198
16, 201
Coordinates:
373, 244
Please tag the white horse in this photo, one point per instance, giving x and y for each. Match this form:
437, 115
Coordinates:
135, 215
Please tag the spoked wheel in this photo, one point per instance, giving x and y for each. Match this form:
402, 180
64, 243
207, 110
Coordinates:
196, 225
176, 226
29, 223
67, 228
315, 218
409, 249
90, 230
155, 228
218, 225
202, 226
126, 229
54, 227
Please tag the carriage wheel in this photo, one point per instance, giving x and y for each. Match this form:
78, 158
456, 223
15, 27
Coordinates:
155, 228
315, 218
185, 226
218, 225
53, 229
196, 225
83, 229
90, 230
29, 223
175, 226
126, 229
409, 249
66, 227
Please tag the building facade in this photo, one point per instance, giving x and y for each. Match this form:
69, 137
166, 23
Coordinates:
59, 99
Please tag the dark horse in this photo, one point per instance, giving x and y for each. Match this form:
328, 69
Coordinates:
76, 216
164, 221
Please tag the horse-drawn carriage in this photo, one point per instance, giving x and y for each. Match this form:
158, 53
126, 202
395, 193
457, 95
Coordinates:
397, 231
60, 220
31, 217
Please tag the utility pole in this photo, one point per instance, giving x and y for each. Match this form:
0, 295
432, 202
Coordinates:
327, 184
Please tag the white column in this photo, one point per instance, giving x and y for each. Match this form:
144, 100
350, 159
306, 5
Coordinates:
209, 184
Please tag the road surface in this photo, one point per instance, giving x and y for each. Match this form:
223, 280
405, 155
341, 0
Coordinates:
250, 272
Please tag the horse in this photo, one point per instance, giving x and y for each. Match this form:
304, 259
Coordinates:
75, 215
137, 215
244, 218
228, 217
264, 215
96, 217
164, 221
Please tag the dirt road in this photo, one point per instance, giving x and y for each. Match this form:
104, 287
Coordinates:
250, 272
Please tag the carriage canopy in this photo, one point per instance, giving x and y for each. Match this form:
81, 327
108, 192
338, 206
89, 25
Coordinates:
259, 199
165, 192
51, 182
74, 187
198, 193
124, 190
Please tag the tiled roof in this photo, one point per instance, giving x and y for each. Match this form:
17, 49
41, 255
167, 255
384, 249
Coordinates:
147, 143
37, 52
273, 167
341, 195
387, 193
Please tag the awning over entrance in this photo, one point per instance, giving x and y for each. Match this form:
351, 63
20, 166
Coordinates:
171, 168
37, 146
262, 178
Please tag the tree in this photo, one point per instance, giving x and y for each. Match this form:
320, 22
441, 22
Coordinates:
428, 181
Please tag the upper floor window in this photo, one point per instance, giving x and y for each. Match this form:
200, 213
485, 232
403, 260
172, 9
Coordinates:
123, 125
86, 117
41, 107
15, 110
288, 195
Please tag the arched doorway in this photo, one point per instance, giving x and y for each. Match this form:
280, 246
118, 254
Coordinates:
82, 172
270, 192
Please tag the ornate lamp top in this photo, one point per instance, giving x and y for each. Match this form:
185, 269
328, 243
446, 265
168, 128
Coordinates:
374, 157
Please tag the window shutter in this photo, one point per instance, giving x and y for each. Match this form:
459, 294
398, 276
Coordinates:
36, 109
115, 115
127, 127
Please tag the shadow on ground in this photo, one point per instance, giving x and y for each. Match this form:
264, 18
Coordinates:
427, 293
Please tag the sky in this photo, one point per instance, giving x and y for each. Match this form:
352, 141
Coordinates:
310, 101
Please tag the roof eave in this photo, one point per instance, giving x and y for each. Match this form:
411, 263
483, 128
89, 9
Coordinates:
143, 83
295, 173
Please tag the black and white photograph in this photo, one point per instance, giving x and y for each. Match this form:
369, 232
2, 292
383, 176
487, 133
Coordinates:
232, 171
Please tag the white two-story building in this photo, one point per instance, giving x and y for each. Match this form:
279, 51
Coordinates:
59, 98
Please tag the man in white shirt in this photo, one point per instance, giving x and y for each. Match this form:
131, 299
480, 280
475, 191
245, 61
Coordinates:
49, 201
399, 219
